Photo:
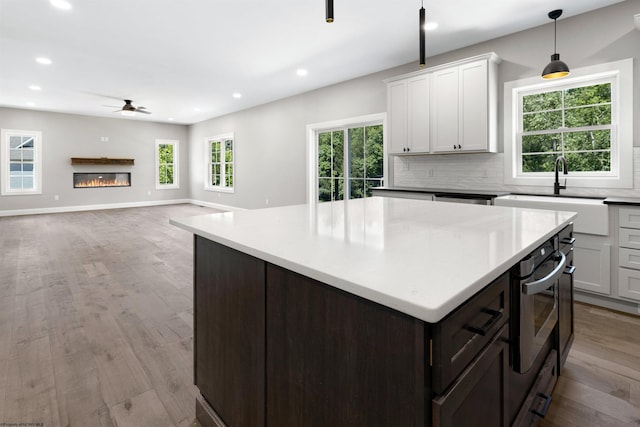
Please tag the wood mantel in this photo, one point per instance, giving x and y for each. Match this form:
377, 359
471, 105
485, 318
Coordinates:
100, 161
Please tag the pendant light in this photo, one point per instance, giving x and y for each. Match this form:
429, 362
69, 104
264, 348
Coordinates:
422, 36
556, 68
329, 7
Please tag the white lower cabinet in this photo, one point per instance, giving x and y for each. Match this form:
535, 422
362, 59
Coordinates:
629, 253
592, 258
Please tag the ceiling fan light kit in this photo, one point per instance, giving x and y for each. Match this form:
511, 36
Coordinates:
556, 68
129, 110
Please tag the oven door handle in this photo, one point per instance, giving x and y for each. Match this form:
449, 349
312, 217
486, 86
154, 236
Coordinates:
544, 283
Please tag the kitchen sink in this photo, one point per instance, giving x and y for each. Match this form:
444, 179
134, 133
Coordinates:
593, 213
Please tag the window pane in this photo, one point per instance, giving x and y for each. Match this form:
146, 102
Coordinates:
215, 151
539, 162
588, 95
356, 153
542, 121
27, 154
27, 182
15, 167
357, 188
338, 189
589, 161
324, 189
324, 154
374, 150
15, 141
15, 183
27, 142
542, 102
228, 149
588, 116
588, 140
338, 154
540, 143
228, 175
165, 153
215, 180
27, 167
15, 154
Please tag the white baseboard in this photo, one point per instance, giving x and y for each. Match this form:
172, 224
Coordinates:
79, 208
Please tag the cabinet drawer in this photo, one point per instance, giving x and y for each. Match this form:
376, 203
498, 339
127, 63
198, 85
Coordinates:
459, 338
629, 218
629, 283
629, 258
477, 398
629, 238
537, 402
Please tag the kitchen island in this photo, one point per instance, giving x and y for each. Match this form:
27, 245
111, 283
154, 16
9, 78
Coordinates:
345, 313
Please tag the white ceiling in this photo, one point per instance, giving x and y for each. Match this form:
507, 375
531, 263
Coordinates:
176, 56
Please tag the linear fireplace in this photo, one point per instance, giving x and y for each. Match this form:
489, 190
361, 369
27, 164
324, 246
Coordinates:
95, 180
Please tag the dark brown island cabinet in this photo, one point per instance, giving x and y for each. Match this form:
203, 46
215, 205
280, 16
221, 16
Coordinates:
275, 348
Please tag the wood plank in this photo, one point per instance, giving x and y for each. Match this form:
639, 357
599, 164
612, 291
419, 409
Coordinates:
144, 410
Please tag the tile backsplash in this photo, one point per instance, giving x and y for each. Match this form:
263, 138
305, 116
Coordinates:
484, 171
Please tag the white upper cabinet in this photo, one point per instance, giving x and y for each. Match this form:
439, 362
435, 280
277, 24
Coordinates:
408, 99
450, 108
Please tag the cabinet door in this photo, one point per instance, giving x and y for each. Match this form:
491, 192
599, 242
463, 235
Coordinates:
629, 283
335, 359
397, 107
229, 345
444, 110
474, 107
418, 109
479, 396
593, 262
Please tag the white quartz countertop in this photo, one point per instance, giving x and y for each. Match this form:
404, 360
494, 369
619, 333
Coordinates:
419, 257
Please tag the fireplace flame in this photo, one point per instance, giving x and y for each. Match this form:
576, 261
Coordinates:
101, 181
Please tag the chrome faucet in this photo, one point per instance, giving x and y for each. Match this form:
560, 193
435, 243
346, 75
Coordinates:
556, 185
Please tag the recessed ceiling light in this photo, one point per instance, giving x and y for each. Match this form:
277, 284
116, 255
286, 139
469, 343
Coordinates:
237, 95
430, 26
35, 87
61, 4
196, 109
171, 119
31, 104
302, 72
43, 60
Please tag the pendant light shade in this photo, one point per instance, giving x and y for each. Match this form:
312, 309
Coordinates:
556, 68
329, 7
422, 37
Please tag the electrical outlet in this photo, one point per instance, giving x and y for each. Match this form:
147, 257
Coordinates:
430, 172
484, 173
104, 139
148, 193
405, 166
56, 197
266, 202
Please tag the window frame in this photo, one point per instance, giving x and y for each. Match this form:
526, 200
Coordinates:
5, 160
207, 163
175, 163
620, 75
312, 147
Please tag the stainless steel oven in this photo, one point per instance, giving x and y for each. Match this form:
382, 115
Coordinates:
534, 295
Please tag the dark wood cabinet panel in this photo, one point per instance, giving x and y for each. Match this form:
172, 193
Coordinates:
565, 300
229, 330
478, 396
459, 337
335, 359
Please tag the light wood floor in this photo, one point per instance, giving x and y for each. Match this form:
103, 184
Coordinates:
96, 317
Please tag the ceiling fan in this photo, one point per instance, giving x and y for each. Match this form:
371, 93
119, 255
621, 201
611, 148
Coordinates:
129, 109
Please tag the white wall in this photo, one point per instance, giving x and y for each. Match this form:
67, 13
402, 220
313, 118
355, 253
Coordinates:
68, 135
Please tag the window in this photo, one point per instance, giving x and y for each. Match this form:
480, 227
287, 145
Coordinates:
219, 157
21, 162
585, 118
347, 158
167, 173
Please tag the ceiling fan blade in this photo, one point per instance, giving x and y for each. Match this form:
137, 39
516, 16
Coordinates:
117, 111
138, 110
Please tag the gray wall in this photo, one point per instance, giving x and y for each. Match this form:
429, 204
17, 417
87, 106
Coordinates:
271, 152
67, 135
